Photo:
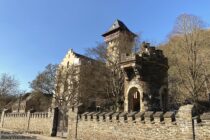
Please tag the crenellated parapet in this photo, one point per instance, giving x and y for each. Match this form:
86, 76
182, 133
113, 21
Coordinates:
147, 117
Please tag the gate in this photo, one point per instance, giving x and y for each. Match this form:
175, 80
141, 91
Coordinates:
62, 127
60, 123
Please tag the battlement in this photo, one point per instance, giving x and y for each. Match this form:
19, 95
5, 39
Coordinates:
129, 57
150, 54
133, 117
151, 117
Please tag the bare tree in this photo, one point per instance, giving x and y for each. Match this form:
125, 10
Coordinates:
98, 53
67, 85
66, 89
45, 81
112, 73
115, 85
8, 89
188, 59
8, 84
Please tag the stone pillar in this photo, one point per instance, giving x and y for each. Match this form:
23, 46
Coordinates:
185, 112
50, 116
184, 122
126, 104
2, 118
73, 124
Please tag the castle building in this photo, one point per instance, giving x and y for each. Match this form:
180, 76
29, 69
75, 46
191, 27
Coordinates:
145, 72
87, 76
79, 81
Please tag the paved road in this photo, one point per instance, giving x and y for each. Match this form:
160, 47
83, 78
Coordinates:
12, 135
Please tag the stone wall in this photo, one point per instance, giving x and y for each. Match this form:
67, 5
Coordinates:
39, 122
16, 121
138, 126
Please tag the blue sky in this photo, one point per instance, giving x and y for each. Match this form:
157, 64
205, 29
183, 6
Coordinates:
34, 33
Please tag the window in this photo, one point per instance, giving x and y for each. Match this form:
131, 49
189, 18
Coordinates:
135, 96
68, 64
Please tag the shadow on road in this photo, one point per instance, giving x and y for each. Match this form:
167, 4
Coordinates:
8, 135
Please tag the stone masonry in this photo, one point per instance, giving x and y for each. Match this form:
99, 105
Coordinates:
39, 122
138, 125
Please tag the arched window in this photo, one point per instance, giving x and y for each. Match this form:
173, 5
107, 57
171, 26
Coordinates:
68, 64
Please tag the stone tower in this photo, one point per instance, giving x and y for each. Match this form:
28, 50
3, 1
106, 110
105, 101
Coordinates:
119, 40
146, 83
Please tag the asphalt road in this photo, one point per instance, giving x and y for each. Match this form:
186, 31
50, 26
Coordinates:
13, 135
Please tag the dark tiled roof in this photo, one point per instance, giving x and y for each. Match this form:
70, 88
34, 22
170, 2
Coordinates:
117, 25
83, 56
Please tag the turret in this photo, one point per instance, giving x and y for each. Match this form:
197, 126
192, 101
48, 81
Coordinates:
145, 80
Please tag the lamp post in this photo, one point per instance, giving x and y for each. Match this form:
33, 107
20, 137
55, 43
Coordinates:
193, 126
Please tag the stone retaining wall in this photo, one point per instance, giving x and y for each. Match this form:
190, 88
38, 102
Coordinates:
138, 125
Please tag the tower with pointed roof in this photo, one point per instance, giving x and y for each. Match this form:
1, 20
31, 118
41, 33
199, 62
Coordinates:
119, 39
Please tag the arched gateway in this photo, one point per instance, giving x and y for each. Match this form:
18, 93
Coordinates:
134, 100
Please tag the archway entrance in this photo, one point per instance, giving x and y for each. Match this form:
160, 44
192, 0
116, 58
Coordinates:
134, 100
